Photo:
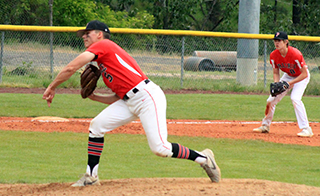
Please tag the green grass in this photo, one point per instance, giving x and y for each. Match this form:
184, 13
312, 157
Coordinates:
64, 105
32, 157
208, 81
180, 106
234, 107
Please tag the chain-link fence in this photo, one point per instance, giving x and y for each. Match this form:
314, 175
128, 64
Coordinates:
33, 59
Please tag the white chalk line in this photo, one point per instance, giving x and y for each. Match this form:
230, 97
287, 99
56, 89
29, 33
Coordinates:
171, 122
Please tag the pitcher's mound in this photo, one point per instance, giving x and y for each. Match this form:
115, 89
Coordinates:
165, 187
50, 119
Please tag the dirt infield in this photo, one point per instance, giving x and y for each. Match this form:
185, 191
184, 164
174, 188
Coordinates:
281, 132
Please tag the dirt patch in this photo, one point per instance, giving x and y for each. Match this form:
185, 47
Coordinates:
165, 186
281, 132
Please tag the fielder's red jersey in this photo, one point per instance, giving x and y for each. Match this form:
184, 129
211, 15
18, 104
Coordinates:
291, 63
120, 72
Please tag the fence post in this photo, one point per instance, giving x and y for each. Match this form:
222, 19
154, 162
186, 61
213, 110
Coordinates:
51, 54
1, 55
182, 61
51, 39
265, 64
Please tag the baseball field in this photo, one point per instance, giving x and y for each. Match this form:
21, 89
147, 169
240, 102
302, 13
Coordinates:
43, 156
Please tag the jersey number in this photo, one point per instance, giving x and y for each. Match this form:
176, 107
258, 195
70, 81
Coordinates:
106, 74
292, 71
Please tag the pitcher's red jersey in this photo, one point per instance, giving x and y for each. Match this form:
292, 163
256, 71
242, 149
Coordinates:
120, 71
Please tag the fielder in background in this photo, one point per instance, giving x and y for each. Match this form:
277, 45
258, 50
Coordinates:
135, 96
296, 77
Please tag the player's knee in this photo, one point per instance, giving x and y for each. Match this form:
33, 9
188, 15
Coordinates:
270, 100
161, 151
295, 101
94, 129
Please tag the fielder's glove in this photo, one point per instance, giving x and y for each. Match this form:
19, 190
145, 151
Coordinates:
89, 78
277, 88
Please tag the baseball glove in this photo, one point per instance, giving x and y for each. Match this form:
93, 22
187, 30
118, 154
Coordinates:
277, 88
88, 79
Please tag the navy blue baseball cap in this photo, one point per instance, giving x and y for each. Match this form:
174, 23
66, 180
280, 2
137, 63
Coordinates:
280, 35
94, 25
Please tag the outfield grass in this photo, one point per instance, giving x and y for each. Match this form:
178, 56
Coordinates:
33, 157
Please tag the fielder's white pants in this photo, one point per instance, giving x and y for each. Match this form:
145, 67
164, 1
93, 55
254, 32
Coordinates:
149, 104
296, 96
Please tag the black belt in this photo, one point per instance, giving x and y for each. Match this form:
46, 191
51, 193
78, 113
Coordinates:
134, 90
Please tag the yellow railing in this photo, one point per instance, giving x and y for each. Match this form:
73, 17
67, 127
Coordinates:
158, 32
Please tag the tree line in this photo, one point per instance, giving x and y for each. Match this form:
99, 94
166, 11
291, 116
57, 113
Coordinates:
293, 16
203, 15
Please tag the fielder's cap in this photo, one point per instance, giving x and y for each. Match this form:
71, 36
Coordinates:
94, 25
280, 35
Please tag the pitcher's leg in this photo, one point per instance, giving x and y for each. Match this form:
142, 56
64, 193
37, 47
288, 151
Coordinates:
154, 122
155, 125
113, 116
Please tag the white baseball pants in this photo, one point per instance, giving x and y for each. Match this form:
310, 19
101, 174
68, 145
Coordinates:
149, 104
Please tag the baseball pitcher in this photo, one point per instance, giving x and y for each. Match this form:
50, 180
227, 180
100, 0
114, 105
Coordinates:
135, 96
